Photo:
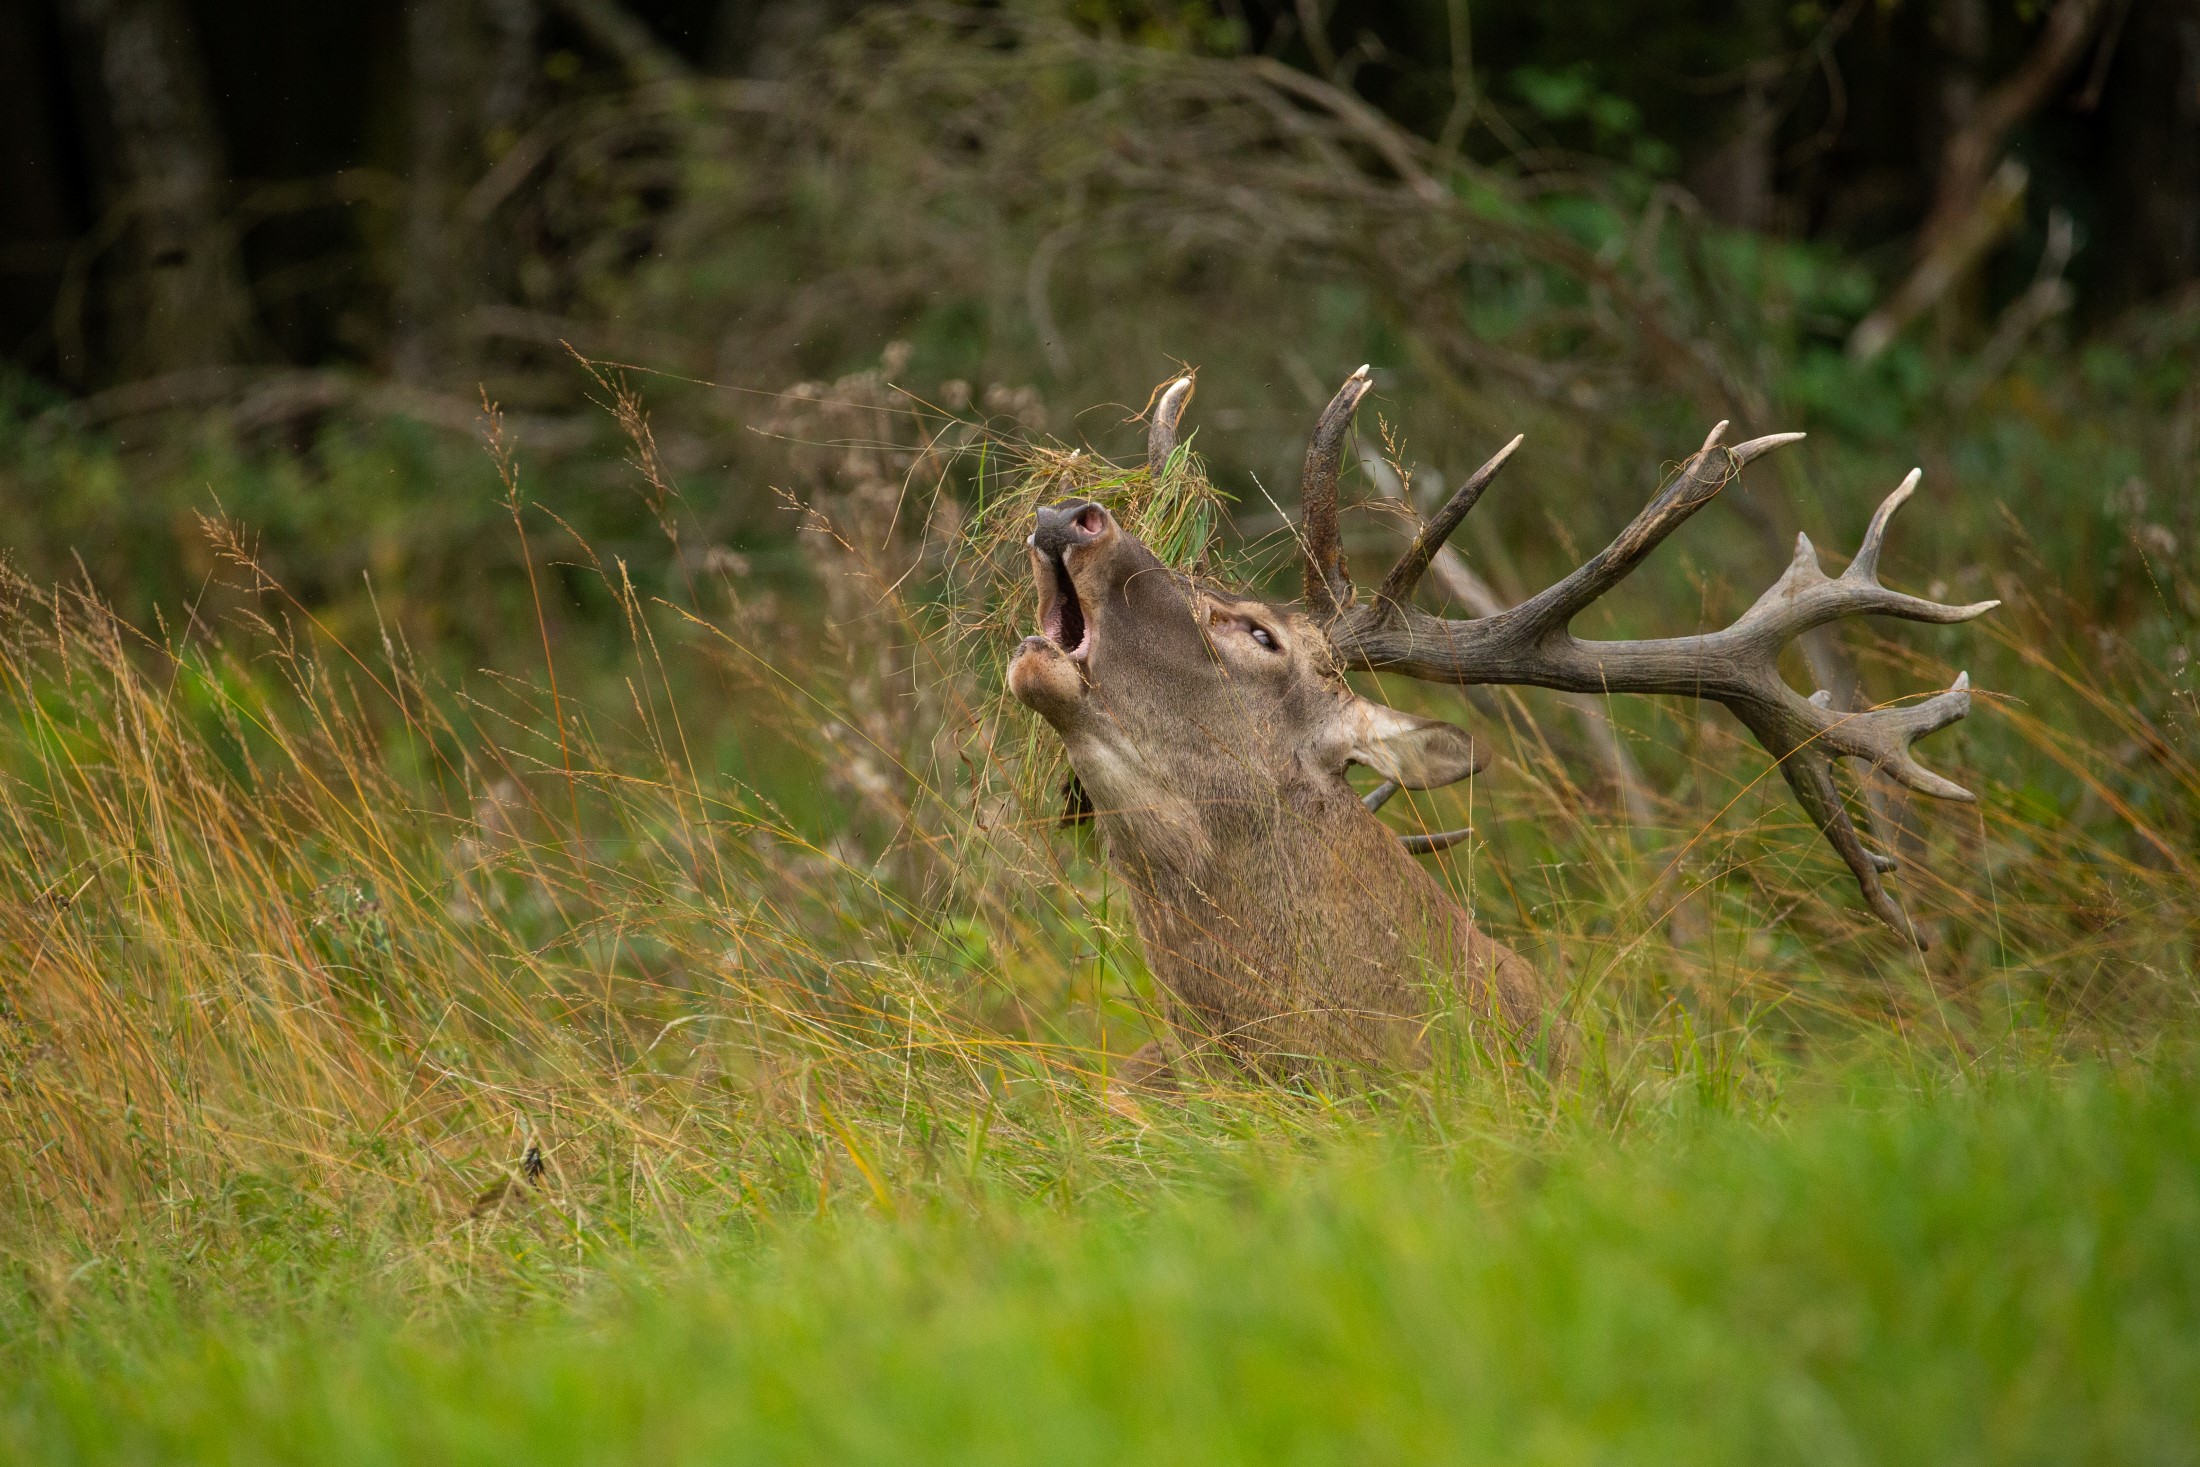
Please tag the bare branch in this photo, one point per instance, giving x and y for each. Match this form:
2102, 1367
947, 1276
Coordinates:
1980, 194
1996, 208
1968, 157
627, 40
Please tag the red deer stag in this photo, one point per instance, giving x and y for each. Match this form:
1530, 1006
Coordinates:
1285, 923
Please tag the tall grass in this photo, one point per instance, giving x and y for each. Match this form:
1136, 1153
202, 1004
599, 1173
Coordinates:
774, 917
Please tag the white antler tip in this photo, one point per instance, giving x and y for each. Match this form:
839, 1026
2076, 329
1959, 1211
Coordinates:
1963, 681
1364, 370
1498, 458
1757, 447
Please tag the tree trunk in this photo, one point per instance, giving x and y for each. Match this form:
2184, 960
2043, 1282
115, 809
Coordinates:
1979, 122
179, 300
1735, 181
508, 95
2150, 225
40, 204
434, 271
473, 70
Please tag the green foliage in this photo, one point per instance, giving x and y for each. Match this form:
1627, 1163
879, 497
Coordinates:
2002, 1275
1614, 124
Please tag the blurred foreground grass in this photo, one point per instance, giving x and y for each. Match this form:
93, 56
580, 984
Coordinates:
2008, 1273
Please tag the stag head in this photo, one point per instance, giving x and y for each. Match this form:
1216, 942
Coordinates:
1212, 731
1176, 697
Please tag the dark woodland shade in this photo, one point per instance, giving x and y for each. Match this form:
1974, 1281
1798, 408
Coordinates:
1829, 121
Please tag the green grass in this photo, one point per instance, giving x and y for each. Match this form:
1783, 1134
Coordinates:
2006, 1273
739, 890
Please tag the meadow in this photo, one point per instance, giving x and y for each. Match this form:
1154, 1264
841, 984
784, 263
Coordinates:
687, 1038
535, 933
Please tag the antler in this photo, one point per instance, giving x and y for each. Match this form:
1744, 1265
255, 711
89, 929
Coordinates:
1738, 667
1167, 414
1328, 588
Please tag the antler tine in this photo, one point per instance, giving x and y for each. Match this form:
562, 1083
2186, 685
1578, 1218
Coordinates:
1737, 666
1886, 737
1415, 845
1812, 780
1328, 588
1866, 565
1167, 414
1757, 448
1883, 736
1805, 596
1411, 566
1696, 485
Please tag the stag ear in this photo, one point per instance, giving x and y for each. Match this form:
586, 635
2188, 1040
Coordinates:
1419, 753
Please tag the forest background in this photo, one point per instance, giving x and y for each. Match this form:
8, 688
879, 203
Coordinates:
528, 926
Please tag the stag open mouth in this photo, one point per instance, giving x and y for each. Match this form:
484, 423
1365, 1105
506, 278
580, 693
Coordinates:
1061, 615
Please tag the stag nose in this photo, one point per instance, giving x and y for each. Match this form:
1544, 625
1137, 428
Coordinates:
1063, 525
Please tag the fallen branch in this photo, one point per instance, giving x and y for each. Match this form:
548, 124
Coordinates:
1977, 198
2048, 296
1959, 248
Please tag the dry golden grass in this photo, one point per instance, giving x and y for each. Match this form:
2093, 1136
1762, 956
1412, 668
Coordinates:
769, 918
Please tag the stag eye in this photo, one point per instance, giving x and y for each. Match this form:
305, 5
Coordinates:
1265, 637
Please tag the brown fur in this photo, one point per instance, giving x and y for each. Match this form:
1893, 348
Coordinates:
1283, 920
